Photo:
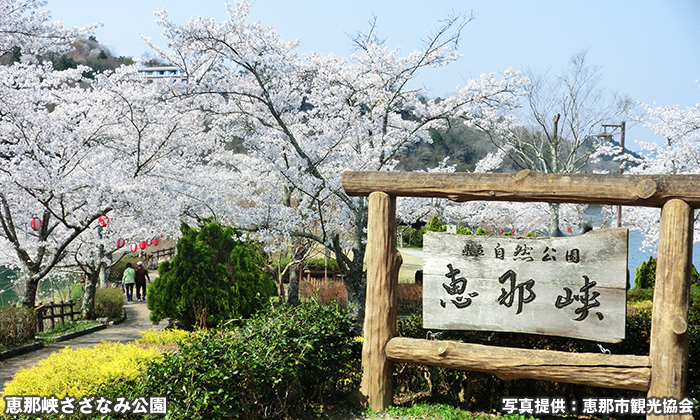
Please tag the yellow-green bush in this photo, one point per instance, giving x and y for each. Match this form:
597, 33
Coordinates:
80, 372
109, 302
166, 339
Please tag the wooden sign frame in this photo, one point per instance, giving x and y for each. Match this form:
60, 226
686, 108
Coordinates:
662, 374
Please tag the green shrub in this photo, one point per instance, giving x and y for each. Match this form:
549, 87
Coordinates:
17, 325
645, 279
109, 302
636, 294
645, 276
435, 225
461, 230
321, 263
213, 277
276, 365
482, 232
417, 237
163, 337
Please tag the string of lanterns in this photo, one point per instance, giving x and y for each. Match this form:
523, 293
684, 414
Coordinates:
103, 220
136, 246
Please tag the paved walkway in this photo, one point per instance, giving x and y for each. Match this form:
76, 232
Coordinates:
136, 321
415, 252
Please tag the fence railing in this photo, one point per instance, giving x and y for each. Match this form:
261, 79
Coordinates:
53, 311
158, 256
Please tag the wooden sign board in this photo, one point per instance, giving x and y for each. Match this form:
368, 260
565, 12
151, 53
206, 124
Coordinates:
571, 286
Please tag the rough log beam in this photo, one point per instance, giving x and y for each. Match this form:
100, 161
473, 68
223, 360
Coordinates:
529, 186
604, 370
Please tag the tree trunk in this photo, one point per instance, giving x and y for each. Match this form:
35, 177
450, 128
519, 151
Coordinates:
103, 276
279, 284
29, 296
104, 269
88, 307
354, 276
293, 298
356, 286
554, 219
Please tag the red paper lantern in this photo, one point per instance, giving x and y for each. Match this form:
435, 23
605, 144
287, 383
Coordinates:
120, 242
103, 220
133, 247
502, 230
35, 223
155, 242
142, 245
569, 230
512, 230
149, 242
161, 235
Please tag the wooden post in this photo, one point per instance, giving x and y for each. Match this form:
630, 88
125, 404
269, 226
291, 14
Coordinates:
51, 308
669, 323
40, 317
383, 262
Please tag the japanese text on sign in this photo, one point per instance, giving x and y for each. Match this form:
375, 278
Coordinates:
570, 286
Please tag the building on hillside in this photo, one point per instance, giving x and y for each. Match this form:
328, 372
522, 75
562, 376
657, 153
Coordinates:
162, 72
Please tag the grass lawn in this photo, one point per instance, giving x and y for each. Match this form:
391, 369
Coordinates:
408, 268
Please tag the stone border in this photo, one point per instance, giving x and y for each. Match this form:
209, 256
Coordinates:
27, 348
8, 354
75, 334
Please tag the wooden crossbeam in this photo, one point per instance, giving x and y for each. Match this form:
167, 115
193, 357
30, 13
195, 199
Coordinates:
604, 370
529, 186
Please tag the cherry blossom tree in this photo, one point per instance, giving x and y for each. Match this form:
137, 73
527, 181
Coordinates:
678, 154
25, 28
306, 119
76, 149
490, 215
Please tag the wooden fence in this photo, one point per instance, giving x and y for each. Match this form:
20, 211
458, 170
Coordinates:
319, 277
662, 374
158, 256
53, 311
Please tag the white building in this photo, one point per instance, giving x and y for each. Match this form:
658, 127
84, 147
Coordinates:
163, 72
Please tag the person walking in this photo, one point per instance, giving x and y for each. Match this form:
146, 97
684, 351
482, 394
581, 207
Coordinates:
128, 280
140, 278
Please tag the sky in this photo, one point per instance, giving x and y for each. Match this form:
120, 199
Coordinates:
649, 50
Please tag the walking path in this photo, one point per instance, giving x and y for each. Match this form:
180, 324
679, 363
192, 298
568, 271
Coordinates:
136, 320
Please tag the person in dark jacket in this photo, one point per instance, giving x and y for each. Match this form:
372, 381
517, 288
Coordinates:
140, 277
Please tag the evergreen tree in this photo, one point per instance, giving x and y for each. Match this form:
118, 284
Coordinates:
213, 277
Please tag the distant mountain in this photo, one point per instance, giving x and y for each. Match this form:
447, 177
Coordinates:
88, 52
466, 146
